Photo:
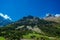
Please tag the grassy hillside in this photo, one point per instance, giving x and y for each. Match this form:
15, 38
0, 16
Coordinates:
2, 38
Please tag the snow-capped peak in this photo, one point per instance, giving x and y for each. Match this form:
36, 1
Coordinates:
5, 16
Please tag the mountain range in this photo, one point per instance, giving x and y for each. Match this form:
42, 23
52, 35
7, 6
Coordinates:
30, 27
5, 20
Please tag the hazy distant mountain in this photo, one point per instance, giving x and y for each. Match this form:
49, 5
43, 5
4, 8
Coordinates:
4, 20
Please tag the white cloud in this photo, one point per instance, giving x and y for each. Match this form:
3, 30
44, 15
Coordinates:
5, 16
57, 15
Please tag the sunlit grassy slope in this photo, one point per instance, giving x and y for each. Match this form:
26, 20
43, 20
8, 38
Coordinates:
2, 38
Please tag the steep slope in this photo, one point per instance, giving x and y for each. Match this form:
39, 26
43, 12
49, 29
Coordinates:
48, 27
31, 27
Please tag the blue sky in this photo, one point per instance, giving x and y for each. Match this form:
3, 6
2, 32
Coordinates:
17, 9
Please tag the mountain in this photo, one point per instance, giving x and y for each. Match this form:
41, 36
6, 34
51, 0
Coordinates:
31, 27
50, 17
4, 20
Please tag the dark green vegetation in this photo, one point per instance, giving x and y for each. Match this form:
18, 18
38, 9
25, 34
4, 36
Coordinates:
31, 28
